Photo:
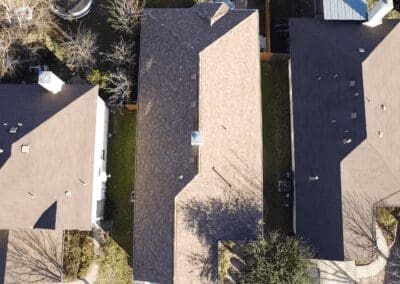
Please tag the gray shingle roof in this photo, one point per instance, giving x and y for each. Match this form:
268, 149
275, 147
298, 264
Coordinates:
356, 10
170, 96
325, 57
60, 131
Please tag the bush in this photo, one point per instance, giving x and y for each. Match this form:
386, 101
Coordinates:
54, 47
78, 254
114, 267
276, 259
385, 217
97, 78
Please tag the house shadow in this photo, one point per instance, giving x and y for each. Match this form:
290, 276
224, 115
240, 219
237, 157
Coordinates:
23, 108
48, 218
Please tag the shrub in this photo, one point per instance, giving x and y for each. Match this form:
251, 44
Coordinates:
96, 77
54, 47
78, 254
276, 259
385, 217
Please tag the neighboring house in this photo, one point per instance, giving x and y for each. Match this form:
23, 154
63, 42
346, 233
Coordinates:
52, 158
354, 10
199, 140
345, 131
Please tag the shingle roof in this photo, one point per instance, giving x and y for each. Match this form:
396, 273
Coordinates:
356, 10
189, 81
60, 132
336, 127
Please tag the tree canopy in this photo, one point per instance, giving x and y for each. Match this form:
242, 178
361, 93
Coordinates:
276, 259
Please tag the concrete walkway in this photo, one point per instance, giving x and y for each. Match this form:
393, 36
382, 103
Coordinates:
348, 272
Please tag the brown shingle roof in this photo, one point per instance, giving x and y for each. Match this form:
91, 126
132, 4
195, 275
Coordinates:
325, 57
196, 67
60, 132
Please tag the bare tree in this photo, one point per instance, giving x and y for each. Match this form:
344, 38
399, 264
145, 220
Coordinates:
80, 49
121, 53
119, 87
8, 60
25, 16
125, 14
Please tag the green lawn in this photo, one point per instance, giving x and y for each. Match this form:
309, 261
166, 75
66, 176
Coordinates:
121, 166
276, 138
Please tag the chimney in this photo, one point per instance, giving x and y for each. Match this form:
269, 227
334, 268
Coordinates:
50, 82
378, 12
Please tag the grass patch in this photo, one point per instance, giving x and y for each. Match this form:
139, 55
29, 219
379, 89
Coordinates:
169, 3
114, 267
121, 166
276, 139
78, 254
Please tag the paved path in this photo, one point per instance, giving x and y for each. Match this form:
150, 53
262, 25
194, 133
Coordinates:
348, 272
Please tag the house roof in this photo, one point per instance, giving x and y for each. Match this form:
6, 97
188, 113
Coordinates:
354, 10
59, 132
188, 82
344, 100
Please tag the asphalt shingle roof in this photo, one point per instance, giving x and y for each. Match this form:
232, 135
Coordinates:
183, 84
342, 74
60, 132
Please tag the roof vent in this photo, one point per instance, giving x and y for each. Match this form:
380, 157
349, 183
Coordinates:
346, 141
319, 78
68, 193
31, 195
380, 134
313, 178
197, 138
5, 123
383, 107
1, 150
335, 76
352, 83
353, 115
356, 94
13, 129
25, 149
361, 50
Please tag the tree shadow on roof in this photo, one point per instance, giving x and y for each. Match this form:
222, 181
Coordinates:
218, 219
34, 257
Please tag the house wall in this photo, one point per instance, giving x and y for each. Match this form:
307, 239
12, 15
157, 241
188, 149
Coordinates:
100, 160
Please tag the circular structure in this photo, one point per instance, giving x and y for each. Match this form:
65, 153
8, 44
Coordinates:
71, 9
